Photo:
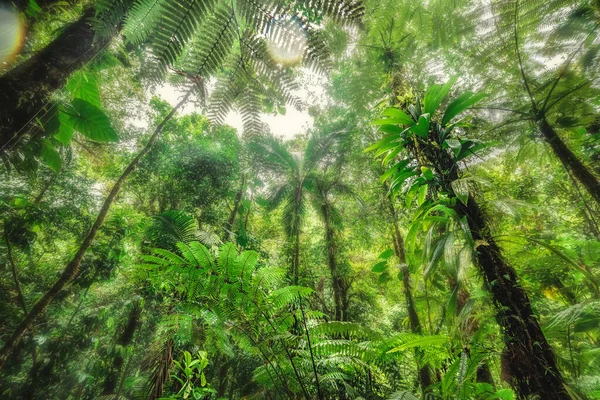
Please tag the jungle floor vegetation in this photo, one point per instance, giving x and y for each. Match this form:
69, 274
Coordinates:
434, 233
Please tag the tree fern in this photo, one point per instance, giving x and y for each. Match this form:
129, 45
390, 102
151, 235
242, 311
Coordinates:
197, 39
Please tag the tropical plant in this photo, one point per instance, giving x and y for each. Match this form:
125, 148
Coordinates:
434, 147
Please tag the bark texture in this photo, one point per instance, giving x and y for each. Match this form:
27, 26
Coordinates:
339, 284
24, 90
570, 161
531, 362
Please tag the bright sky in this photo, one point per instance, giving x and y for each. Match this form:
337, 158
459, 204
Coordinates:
294, 122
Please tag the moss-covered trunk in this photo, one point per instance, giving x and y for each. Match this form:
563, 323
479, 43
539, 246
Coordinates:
25, 90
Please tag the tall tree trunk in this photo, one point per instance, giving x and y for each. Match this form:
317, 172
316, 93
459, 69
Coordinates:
569, 160
296, 262
338, 283
532, 363
425, 379
161, 371
529, 357
15, 273
72, 268
483, 373
25, 89
236, 206
125, 339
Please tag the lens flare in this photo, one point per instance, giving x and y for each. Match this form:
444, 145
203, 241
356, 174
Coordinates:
286, 42
12, 35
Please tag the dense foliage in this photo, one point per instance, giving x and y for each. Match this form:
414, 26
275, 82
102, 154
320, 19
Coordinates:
434, 233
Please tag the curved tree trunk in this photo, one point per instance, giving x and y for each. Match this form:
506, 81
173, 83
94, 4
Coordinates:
72, 268
569, 160
25, 89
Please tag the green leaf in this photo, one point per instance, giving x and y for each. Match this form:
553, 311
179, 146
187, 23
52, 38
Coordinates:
412, 192
460, 104
396, 168
398, 115
32, 9
392, 129
84, 86
387, 140
380, 267
433, 340
91, 122
422, 128
422, 196
469, 147
50, 156
399, 180
455, 145
386, 254
435, 95
65, 130
427, 173
461, 190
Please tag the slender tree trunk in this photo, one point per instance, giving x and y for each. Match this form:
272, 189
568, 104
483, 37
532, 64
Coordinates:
20, 297
296, 258
530, 359
337, 283
424, 372
222, 386
25, 89
45, 189
236, 206
569, 160
15, 273
72, 268
125, 339
483, 373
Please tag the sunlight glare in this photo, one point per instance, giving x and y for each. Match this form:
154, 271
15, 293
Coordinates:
12, 35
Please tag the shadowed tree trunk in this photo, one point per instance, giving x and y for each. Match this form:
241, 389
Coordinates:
72, 268
125, 339
425, 380
236, 207
338, 283
530, 360
569, 160
25, 89
483, 373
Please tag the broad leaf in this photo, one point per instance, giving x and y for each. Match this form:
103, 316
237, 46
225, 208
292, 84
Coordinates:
461, 190
386, 254
398, 115
50, 156
422, 128
65, 130
380, 267
91, 122
435, 95
460, 104
85, 87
